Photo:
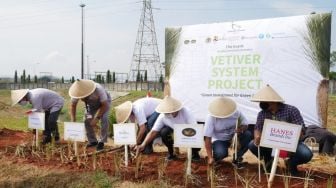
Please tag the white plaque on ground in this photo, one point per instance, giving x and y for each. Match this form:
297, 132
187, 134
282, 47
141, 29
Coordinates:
124, 134
74, 131
281, 135
188, 135
36, 120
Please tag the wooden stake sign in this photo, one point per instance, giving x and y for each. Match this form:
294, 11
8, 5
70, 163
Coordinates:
125, 134
74, 131
36, 120
189, 136
279, 135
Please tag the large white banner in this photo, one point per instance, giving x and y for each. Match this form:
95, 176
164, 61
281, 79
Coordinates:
236, 59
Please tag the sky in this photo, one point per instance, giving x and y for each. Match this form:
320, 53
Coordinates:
44, 36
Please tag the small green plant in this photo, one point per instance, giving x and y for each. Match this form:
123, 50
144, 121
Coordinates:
330, 181
138, 165
117, 163
20, 151
162, 165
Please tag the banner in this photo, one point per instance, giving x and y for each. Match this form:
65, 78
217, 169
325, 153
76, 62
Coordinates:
236, 59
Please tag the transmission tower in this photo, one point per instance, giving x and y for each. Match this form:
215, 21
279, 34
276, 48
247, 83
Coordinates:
146, 54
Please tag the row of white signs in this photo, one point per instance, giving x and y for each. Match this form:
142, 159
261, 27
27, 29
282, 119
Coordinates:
275, 134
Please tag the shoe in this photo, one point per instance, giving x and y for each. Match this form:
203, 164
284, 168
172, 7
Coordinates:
237, 165
91, 144
100, 146
196, 157
171, 158
46, 140
57, 140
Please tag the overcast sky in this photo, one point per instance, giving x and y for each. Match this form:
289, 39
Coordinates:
45, 35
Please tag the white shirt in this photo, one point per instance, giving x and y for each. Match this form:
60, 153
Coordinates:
184, 116
223, 128
143, 108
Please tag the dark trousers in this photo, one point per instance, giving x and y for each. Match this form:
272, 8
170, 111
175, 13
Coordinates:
166, 134
149, 125
220, 147
51, 128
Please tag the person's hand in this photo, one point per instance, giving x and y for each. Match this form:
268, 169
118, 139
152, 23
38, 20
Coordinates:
94, 122
239, 130
138, 149
210, 160
28, 112
257, 141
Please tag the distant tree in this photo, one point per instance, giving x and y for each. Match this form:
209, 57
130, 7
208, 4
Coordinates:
98, 78
332, 58
62, 80
35, 79
113, 77
161, 78
108, 77
28, 79
145, 77
23, 77
141, 78
15, 77
332, 75
138, 76
72, 79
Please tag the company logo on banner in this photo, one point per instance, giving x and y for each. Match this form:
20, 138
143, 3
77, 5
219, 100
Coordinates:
188, 135
281, 135
74, 131
36, 120
124, 133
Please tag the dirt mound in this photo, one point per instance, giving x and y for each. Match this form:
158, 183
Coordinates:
16, 146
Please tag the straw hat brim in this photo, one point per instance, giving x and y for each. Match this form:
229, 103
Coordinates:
267, 94
17, 95
82, 88
222, 107
169, 105
123, 111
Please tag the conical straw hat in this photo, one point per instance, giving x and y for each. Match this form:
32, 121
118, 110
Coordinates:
17, 95
222, 107
267, 94
169, 105
82, 88
123, 111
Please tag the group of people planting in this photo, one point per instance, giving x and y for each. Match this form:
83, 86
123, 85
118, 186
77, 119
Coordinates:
158, 117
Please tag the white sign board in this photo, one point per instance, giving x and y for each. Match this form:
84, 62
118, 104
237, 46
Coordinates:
281, 135
188, 135
237, 59
36, 120
124, 134
74, 131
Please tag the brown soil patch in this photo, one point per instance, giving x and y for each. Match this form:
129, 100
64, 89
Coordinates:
15, 146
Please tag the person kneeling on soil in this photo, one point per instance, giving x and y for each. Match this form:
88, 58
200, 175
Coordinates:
324, 138
143, 112
171, 113
97, 105
220, 127
273, 107
42, 100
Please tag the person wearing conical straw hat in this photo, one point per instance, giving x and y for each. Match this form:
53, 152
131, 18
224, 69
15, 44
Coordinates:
273, 107
220, 127
171, 112
141, 111
42, 100
97, 105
